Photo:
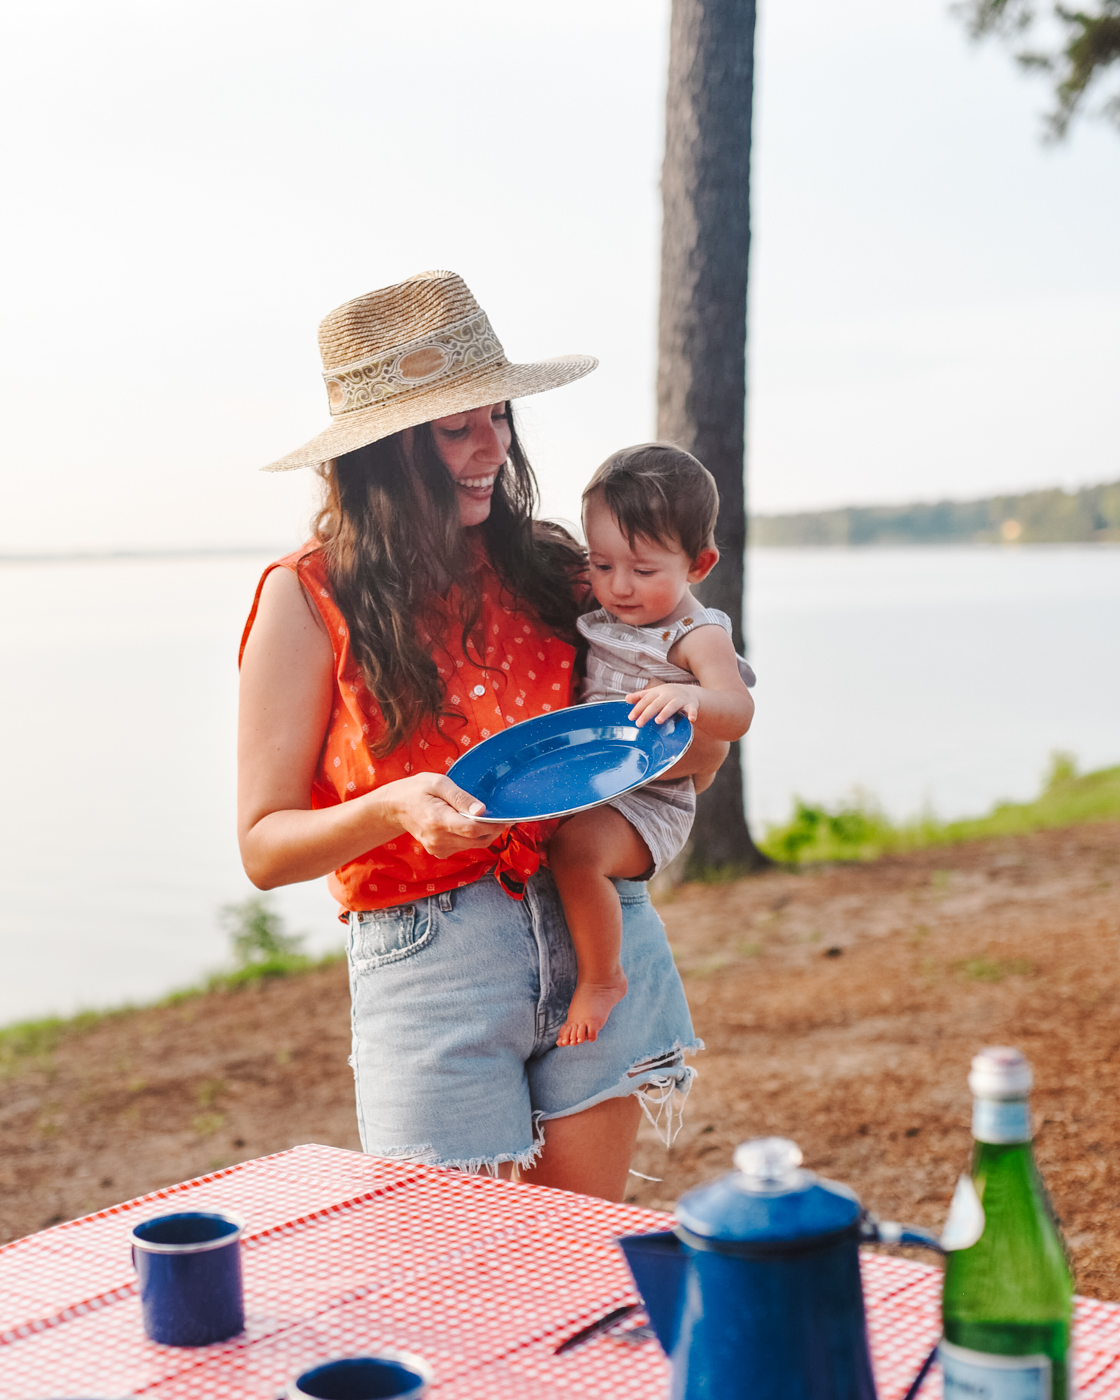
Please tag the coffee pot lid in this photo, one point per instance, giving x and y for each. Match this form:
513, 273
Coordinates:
769, 1202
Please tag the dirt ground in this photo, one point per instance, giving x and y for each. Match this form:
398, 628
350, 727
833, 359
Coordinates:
840, 1007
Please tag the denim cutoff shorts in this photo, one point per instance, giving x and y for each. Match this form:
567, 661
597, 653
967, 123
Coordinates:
456, 1002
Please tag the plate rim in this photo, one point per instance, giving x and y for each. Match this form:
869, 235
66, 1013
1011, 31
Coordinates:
587, 806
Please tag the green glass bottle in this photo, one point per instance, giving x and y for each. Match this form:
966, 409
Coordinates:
1007, 1303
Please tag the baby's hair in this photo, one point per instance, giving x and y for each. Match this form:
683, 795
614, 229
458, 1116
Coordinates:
660, 493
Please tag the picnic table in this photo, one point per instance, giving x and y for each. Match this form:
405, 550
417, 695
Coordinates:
345, 1253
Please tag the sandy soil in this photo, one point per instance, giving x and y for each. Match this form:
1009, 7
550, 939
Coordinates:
840, 1007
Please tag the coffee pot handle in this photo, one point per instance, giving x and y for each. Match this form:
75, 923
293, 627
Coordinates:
875, 1231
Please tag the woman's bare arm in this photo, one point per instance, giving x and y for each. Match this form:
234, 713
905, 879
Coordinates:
287, 684
702, 761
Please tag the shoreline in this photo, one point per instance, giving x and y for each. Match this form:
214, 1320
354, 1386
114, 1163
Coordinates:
175, 552
814, 839
116, 556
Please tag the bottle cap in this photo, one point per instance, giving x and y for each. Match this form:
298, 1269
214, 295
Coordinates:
1000, 1073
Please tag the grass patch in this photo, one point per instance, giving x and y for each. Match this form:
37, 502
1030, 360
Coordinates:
860, 831
261, 949
283, 966
30, 1042
699, 872
993, 969
710, 966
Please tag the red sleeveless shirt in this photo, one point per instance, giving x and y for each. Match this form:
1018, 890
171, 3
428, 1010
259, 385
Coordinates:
527, 671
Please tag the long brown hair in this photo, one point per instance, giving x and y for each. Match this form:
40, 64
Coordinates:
391, 538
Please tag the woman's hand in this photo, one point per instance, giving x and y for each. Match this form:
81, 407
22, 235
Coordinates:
438, 814
709, 760
702, 761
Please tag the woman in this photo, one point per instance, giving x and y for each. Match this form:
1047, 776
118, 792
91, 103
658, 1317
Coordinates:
429, 611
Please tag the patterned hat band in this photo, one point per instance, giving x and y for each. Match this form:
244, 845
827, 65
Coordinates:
419, 350
469, 344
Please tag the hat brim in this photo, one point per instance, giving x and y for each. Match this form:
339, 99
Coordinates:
357, 429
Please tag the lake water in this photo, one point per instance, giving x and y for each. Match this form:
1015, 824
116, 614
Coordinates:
939, 677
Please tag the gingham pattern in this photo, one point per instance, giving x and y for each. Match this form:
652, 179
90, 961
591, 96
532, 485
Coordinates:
346, 1253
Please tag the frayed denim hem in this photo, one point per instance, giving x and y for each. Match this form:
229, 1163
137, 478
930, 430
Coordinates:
661, 1083
427, 1156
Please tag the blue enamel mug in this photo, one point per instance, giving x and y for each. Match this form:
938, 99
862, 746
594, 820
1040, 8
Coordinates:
189, 1267
387, 1375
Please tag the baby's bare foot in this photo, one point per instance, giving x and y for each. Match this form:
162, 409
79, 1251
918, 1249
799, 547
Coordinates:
591, 1005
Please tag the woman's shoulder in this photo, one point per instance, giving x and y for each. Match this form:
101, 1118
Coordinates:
307, 561
304, 570
290, 589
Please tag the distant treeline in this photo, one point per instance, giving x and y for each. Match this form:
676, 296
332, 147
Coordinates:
1035, 517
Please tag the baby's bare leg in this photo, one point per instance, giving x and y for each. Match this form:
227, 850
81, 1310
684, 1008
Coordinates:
584, 854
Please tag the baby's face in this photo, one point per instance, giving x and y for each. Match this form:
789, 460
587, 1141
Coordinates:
643, 585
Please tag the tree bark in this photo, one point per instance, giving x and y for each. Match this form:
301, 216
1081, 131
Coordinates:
701, 377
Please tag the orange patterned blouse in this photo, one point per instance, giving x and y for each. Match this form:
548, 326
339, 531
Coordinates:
527, 672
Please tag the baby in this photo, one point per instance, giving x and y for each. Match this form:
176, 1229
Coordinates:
649, 514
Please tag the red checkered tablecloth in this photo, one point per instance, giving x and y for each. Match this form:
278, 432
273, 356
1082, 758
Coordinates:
345, 1253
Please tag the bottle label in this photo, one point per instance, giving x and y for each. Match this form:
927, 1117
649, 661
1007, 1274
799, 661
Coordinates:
964, 1224
980, 1375
1001, 1120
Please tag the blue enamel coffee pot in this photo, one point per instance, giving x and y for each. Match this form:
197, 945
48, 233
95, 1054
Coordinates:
756, 1292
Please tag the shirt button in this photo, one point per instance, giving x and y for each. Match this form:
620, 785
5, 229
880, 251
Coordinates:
479, 690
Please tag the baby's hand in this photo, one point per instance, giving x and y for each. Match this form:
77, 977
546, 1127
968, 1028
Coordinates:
660, 702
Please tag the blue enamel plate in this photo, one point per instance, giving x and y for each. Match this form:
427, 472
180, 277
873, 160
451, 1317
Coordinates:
567, 761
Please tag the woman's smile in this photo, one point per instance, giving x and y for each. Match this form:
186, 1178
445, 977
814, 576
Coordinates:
474, 447
477, 484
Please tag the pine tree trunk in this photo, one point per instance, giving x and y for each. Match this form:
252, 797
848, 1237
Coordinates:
701, 377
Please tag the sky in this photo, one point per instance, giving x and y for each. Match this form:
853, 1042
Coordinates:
935, 296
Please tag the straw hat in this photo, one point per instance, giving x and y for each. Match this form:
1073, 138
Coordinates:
406, 354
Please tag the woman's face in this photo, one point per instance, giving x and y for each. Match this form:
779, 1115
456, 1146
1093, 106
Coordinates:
473, 447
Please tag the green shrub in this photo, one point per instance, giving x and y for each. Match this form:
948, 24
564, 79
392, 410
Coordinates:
261, 948
859, 830
1063, 767
256, 933
815, 833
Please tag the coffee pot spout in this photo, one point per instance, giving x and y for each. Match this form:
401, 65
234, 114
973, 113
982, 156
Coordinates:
659, 1267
